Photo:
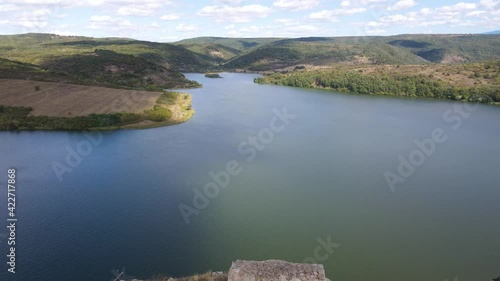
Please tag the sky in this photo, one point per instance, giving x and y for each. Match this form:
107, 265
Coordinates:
169, 20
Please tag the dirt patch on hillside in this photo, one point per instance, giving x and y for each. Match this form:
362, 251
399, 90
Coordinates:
66, 100
452, 59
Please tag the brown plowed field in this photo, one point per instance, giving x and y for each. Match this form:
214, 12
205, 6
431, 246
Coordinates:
66, 100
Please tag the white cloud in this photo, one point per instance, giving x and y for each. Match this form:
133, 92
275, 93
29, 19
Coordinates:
108, 22
345, 3
475, 13
450, 15
303, 29
372, 2
63, 29
489, 4
9, 8
401, 5
170, 17
161, 3
286, 22
229, 2
459, 7
235, 14
186, 27
138, 10
36, 19
331, 15
296, 5
377, 31
40, 2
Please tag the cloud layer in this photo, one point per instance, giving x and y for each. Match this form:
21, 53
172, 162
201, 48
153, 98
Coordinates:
158, 20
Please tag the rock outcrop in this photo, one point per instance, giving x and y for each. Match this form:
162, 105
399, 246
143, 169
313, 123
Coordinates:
275, 270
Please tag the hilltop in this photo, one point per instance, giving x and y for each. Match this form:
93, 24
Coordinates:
401, 49
221, 49
164, 61
112, 62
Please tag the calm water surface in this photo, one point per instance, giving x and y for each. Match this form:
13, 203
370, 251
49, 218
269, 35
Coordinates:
319, 179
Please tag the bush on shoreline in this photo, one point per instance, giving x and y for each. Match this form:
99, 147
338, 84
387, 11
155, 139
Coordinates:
392, 84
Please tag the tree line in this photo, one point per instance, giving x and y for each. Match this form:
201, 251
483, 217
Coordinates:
393, 85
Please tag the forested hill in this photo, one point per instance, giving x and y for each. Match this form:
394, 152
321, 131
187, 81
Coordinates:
128, 63
401, 49
115, 62
472, 82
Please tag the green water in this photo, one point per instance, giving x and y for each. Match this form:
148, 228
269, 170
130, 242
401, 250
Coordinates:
319, 178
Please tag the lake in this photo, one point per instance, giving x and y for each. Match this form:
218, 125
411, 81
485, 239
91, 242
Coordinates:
374, 188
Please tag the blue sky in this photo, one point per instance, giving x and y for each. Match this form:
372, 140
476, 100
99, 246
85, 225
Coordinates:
169, 20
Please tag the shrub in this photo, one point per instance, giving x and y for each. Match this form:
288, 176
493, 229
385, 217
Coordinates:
167, 98
158, 114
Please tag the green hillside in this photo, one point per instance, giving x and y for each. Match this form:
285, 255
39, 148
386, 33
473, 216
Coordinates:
215, 52
108, 68
436, 48
118, 62
401, 49
37, 48
472, 82
220, 50
123, 62
321, 52
18, 70
239, 44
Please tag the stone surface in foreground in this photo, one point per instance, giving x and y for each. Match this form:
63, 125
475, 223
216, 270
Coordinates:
275, 270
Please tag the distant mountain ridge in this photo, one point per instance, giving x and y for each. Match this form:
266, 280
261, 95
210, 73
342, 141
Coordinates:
401, 49
155, 61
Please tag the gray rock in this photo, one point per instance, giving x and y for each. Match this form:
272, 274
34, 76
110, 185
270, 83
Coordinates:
275, 270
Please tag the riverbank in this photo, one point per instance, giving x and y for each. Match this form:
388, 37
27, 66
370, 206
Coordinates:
34, 105
479, 82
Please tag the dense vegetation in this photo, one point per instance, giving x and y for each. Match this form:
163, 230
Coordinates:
214, 53
18, 70
13, 118
108, 68
16, 118
122, 63
401, 49
234, 44
213, 75
401, 81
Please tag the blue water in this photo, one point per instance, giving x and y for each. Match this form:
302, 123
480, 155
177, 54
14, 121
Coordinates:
319, 178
